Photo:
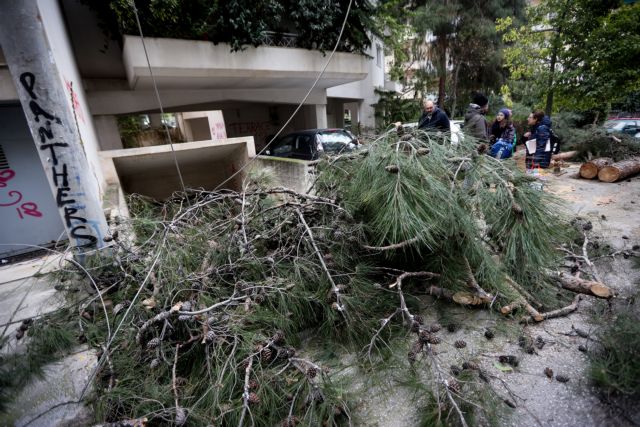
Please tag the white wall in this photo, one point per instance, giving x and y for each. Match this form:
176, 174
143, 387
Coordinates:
63, 56
364, 89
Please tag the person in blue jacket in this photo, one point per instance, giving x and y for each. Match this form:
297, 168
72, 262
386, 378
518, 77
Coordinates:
540, 130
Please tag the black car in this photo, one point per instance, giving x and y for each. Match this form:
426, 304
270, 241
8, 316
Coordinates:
311, 144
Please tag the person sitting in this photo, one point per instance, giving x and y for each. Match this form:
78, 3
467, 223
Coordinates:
474, 122
502, 128
433, 118
538, 154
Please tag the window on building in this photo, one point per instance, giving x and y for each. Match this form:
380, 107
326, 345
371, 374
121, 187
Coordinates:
379, 55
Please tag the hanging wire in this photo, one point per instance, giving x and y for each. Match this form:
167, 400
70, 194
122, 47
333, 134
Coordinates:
155, 88
344, 23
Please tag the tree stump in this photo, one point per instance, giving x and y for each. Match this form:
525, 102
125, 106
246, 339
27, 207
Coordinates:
589, 170
620, 170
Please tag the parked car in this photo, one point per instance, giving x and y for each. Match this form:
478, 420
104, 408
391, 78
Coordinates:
455, 127
629, 126
313, 143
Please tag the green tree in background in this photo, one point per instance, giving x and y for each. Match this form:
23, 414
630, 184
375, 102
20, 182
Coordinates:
574, 54
242, 23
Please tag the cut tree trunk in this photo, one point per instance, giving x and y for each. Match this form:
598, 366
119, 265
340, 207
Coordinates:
589, 170
564, 156
620, 170
587, 287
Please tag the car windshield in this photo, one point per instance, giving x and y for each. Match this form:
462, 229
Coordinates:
336, 141
617, 124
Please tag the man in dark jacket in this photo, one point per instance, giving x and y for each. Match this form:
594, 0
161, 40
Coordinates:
433, 118
474, 122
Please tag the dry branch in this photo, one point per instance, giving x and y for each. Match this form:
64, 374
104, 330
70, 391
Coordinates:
391, 247
559, 312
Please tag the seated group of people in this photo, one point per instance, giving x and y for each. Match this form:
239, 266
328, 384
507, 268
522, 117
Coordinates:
501, 134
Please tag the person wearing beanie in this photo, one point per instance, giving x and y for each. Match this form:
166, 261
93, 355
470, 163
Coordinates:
502, 128
474, 122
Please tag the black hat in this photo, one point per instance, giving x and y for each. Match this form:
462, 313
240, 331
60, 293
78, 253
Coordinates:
480, 99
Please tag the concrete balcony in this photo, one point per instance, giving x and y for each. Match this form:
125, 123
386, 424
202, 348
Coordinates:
187, 64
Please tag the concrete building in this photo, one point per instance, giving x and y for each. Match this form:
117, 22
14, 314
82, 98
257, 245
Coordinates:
229, 104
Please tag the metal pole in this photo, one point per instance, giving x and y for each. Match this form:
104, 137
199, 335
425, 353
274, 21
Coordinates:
51, 120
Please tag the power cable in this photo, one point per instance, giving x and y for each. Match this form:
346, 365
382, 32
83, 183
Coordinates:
344, 23
155, 88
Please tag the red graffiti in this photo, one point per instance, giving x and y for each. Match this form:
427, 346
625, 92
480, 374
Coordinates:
27, 208
75, 103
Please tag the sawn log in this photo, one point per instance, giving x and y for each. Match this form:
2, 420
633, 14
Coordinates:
589, 170
620, 170
587, 287
564, 156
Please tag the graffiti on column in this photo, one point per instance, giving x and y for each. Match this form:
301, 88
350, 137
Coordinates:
49, 141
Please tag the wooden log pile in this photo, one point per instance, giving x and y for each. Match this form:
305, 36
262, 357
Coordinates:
609, 171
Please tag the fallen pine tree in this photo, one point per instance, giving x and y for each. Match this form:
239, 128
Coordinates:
210, 300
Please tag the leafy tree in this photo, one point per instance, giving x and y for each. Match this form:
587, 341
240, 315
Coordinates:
583, 51
242, 23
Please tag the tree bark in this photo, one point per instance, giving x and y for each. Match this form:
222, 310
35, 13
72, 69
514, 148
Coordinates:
586, 287
589, 170
620, 170
564, 156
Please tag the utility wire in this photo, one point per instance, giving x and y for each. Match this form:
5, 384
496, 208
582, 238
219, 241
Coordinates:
344, 23
155, 88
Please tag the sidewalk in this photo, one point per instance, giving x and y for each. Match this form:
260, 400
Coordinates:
27, 291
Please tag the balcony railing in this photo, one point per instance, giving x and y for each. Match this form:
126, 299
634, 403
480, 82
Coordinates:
276, 39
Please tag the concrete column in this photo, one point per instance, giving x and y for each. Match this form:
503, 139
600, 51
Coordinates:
155, 121
321, 115
51, 121
108, 133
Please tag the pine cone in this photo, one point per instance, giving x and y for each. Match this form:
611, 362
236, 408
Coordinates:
424, 336
185, 317
509, 360
562, 378
278, 337
253, 385
258, 299
454, 386
482, 148
422, 151
312, 372
470, 366
417, 347
291, 421
186, 306
211, 322
455, 370
516, 208
435, 340
411, 356
266, 354
415, 326
452, 327
489, 334
419, 319
435, 327
210, 337
582, 348
153, 343
460, 344
253, 399
392, 169
154, 363
548, 372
